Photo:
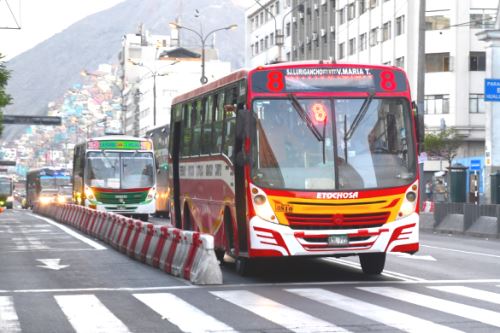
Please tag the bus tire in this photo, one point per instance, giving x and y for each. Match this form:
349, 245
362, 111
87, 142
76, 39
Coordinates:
228, 231
372, 263
243, 266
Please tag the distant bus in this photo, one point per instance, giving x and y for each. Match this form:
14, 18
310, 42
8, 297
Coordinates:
299, 159
6, 192
115, 173
159, 136
47, 185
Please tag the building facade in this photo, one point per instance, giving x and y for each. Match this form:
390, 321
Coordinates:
386, 32
155, 70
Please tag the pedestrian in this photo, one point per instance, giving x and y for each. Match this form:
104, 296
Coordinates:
428, 190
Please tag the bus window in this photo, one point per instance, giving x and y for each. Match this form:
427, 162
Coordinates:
206, 137
186, 130
230, 123
218, 123
197, 123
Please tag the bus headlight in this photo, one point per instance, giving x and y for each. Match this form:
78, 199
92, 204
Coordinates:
89, 193
61, 199
10, 198
151, 194
409, 204
261, 205
45, 200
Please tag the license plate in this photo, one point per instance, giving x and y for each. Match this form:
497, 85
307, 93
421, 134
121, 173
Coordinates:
338, 240
121, 207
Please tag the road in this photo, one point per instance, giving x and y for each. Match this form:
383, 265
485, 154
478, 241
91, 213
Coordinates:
54, 279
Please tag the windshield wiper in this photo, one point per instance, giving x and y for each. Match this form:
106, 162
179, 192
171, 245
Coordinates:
305, 117
359, 116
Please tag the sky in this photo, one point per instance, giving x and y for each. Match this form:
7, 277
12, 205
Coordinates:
41, 19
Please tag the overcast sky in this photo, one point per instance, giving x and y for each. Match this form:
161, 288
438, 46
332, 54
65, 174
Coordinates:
41, 19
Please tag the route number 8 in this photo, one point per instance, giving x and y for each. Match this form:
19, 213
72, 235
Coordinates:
387, 80
275, 81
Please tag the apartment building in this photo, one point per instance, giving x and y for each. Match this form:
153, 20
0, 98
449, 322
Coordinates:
386, 32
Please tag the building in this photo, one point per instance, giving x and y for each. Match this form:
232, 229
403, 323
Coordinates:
386, 32
155, 70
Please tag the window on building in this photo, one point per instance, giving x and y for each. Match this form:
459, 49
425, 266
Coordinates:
266, 42
341, 50
257, 48
362, 6
363, 42
437, 20
351, 11
437, 62
476, 103
288, 29
386, 31
277, 3
437, 104
482, 18
352, 46
400, 25
373, 37
400, 62
477, 61
342, 16
373, 3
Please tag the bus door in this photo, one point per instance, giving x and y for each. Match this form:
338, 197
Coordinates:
175, 152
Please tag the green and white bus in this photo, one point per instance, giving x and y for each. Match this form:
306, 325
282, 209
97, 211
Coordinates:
115, 173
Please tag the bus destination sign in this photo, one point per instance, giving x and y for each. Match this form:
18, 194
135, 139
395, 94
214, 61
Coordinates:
119, 145
328, 79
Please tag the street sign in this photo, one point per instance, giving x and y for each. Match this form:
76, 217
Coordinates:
475, 165
492, 90
7, 163
31, 120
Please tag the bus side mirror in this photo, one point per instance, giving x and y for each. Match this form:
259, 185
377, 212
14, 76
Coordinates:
419, 126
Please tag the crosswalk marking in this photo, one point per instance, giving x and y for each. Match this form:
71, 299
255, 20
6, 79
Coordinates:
277, 313
177, 311
454, 308
87, 314
481, 295
377, 313
9, 323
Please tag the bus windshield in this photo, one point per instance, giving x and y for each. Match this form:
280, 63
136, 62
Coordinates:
367, 145
5, 187
120, 170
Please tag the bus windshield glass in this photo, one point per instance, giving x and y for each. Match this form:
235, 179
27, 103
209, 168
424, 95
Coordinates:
367, 145
120, 170
5, 187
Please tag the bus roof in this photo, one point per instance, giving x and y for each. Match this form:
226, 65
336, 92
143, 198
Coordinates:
116, 137
243, 73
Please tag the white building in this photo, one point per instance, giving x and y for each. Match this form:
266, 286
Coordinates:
386, 32
154, 72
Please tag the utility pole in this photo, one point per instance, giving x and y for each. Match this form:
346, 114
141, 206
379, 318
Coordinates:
492, 119
421, 86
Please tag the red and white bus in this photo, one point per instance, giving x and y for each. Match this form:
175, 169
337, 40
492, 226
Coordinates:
299, 159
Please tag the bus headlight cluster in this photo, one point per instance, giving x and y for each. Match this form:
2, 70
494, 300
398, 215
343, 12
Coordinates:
61, 199
151, 194
10, 198
409, 204
89, 193
44, 200
261, 205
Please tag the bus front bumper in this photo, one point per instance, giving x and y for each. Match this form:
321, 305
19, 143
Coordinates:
147, 208
270, 239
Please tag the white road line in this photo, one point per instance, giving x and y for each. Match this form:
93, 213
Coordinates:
87, 314
182, 314
9, 323
479, 294
291, 319
465, 311
390, 274
389, 317
70, 232
461, 251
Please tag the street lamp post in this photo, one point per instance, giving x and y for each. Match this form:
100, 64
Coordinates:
203, 40
154, 74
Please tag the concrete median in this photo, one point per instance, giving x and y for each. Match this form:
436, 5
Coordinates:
185, 254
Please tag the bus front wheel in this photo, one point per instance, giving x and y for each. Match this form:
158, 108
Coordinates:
372, 263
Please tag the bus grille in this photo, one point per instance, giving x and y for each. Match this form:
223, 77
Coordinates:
121, 197
336, 221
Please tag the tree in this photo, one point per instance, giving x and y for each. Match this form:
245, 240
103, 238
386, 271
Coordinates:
5, 99
443, 144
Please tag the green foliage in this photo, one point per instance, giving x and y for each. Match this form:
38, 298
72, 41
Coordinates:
443, 144
5, 99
